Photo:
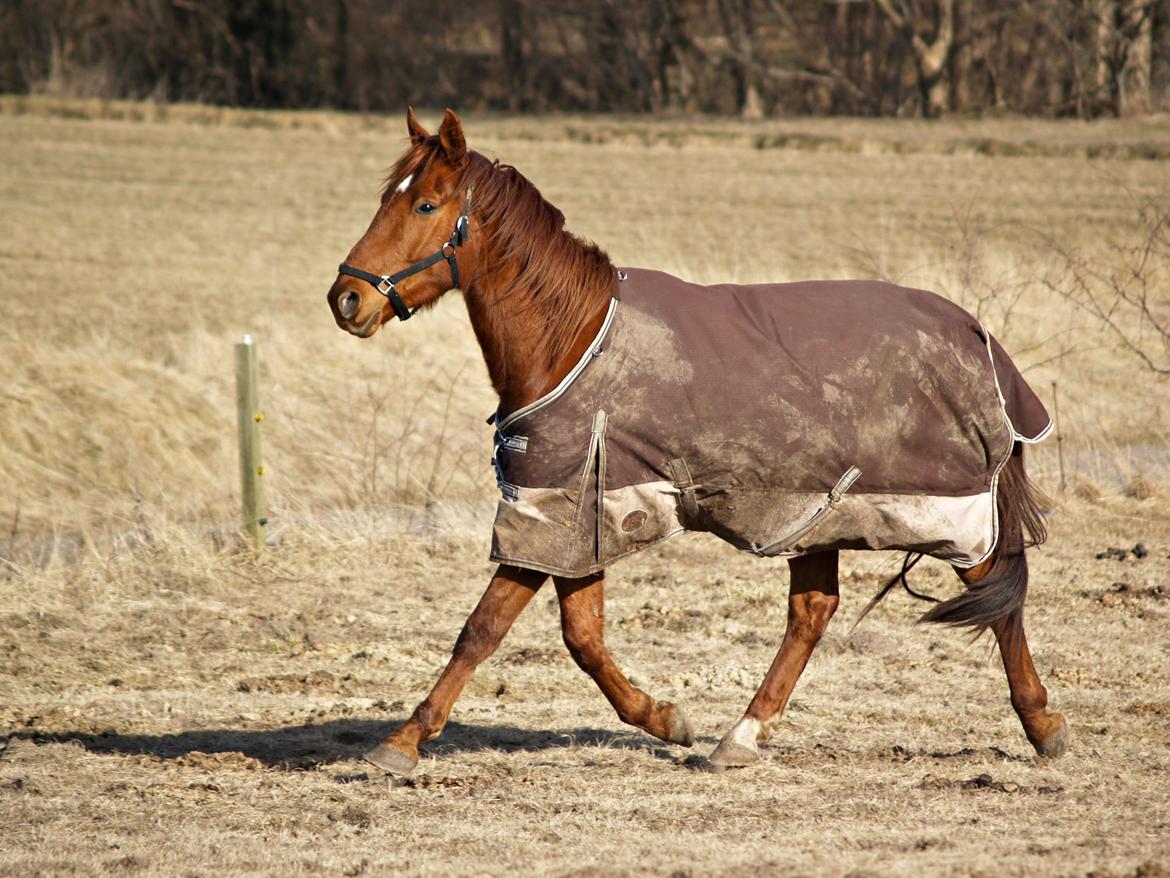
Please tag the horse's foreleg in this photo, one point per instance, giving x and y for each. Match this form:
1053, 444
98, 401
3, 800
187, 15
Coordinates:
582, 623
507, 594
1047, 731
812, 600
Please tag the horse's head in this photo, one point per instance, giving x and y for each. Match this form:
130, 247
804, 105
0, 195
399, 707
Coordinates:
417, 246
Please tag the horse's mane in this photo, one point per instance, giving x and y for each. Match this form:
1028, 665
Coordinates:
541, 271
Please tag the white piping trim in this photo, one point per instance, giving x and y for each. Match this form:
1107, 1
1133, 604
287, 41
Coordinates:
1008, 456
995, 476
566, 382
1019, 437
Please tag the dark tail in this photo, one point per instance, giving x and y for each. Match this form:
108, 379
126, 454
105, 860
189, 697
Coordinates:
908, 564
1000, 593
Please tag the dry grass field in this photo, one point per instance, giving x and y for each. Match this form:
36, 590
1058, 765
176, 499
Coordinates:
170, 706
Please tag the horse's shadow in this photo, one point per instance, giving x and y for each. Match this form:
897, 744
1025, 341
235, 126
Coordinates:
316, 745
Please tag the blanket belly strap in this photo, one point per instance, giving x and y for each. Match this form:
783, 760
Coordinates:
831, 500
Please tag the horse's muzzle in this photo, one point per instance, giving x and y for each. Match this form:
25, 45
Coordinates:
346, 305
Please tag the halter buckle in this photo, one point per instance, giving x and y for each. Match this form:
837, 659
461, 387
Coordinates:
389, 285
448, 249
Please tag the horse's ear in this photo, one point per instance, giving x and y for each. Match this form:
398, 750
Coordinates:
451, 138
418, 134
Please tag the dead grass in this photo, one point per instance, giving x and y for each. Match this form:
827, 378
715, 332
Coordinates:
173, 714
1141, 138
173, 708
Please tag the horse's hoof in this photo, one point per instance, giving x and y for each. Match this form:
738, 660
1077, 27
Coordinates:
1056, 743
681, 731
729, 754
738, 747
391, 760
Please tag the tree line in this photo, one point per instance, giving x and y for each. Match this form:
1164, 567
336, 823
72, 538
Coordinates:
1083, 58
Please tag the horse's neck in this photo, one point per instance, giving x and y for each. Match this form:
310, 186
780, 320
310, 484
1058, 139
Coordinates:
514, 337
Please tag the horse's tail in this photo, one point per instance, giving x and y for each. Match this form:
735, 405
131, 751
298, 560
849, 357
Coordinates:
999, 594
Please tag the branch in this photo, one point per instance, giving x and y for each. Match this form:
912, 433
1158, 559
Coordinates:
1109, 295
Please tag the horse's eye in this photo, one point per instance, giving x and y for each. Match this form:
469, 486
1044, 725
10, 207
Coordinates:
425, 207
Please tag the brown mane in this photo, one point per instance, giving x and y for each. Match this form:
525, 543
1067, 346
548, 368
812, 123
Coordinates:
537, 272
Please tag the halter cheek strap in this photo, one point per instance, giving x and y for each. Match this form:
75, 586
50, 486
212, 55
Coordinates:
386, 283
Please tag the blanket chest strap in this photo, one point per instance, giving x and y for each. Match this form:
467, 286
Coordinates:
686, 491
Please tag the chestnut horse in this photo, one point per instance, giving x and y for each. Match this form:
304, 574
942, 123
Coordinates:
537, 296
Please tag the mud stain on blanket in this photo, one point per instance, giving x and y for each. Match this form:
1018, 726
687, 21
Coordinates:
785, 418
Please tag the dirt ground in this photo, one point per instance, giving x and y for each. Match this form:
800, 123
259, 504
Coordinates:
209, 722
169, 706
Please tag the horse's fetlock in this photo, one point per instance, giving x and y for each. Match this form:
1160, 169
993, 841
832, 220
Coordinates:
639, 713
427, 724
1031, 704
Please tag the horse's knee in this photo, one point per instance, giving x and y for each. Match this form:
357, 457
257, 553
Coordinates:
810, 613
476, 643
584, 644
821, 607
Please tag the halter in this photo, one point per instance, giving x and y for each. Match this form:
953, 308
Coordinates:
385, 283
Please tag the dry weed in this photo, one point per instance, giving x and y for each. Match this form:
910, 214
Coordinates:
172, 707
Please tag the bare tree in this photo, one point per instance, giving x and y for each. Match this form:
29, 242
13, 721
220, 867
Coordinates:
930, 32
739, 27
513, 23
1127, 291
751, 57
1160, 56
675, 56
1123, 53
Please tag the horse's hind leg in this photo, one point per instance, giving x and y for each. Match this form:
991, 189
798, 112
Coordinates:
1047, 731
507, 594
582, 624
812, 600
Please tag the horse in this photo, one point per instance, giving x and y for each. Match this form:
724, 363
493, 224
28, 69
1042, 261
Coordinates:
876, 417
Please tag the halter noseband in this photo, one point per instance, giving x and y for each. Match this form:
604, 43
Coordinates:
385, 283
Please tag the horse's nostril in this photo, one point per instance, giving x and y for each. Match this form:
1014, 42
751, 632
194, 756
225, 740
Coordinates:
348, 304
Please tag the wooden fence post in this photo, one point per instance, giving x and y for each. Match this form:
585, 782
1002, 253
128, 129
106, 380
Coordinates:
251, 461
1059, 436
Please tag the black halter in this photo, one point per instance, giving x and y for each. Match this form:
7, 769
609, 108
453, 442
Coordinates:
385, 283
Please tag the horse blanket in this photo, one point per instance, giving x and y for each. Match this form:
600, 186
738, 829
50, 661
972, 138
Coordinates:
784, 418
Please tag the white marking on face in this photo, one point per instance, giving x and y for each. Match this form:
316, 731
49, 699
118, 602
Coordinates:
405, 184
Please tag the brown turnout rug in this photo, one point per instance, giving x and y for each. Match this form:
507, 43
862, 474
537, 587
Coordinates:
785, 418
